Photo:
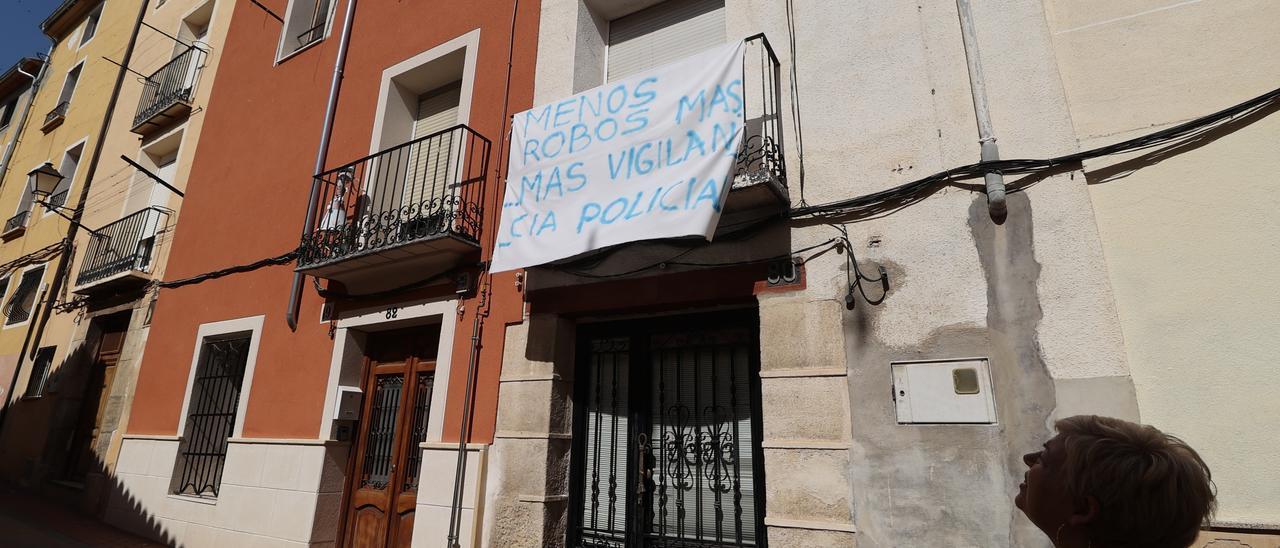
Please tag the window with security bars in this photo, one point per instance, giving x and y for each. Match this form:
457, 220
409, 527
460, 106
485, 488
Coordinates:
39, 373
19, 307
211, 416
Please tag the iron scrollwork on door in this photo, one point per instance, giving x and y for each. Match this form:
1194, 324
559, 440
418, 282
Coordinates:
688, 419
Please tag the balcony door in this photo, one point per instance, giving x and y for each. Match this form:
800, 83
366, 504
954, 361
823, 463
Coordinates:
432, 162
667, 435
167, 170
399, 375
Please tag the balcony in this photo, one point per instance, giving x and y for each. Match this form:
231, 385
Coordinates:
168, 92
119, 255
760, 176
16, 225
399, 215
57, 200
55, 117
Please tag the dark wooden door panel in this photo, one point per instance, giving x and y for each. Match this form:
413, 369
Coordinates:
399, 374
370, 527
93, 402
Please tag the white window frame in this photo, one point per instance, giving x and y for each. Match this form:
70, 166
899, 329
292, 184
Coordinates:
348, 354
213, 18
27, 188
144, 158
11, 106
281, 54
35, 299
469, 43
71, 178
253, 327
70, 97
85, 26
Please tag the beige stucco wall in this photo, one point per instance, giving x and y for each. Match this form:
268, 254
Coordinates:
109, 198
1190, 239
119, 190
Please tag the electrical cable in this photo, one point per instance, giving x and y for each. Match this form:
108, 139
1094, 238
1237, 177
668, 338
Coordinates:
795, 98
914, 190
272, 261
39, 255
1180, 133
673, 262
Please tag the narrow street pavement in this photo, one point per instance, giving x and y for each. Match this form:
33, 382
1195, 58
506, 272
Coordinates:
30, 522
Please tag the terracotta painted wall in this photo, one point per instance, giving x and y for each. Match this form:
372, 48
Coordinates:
247, 198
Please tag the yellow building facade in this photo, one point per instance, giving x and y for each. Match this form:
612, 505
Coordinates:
65, 124
75, 338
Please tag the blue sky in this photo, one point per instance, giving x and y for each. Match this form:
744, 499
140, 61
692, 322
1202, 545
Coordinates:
20, 34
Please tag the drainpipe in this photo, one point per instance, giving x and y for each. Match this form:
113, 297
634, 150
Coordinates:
36, 80
460, 472
68, 242
482, 311
986, 138
295, 292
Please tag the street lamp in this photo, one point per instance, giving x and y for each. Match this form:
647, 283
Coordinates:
44, 179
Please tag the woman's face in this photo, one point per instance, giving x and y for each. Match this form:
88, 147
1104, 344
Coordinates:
1042, 496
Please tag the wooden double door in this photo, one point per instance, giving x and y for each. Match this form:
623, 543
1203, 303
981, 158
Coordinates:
399, 376
81, 456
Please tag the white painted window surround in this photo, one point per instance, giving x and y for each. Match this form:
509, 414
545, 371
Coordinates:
403, 85
69, 166
30, 286
91, 25
348, 352
69, 84
251, 326
306, 22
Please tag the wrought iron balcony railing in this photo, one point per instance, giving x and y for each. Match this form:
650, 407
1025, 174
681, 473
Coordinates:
761, 156
56, 115
123, 246
16, 222
57, 200
430, 187
174, 83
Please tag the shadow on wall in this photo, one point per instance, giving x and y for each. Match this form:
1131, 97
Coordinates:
52, 447
1125, 168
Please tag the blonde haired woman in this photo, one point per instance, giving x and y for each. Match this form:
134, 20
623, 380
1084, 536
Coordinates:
1107, 483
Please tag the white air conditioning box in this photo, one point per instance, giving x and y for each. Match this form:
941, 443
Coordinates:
956, 391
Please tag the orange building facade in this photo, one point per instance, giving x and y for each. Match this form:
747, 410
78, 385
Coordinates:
344, 426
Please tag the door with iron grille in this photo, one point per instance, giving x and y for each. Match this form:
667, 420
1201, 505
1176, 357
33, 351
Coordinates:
399, 377
667, 442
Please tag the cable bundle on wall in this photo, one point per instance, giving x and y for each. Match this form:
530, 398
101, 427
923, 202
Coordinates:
904, 194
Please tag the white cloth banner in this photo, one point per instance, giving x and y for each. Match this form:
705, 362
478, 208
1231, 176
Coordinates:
647, 157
